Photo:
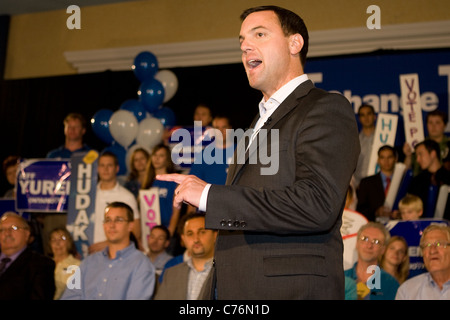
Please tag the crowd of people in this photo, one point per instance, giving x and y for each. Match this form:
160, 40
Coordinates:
299, 250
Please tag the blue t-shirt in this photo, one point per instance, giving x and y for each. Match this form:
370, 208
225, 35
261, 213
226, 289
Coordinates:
64, 153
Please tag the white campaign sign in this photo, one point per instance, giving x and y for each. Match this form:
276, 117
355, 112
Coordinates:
412, 111
384, 134
150, 212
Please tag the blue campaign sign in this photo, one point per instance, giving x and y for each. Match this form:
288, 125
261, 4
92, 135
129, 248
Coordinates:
43, 185
412, 231
80, 221
375, 79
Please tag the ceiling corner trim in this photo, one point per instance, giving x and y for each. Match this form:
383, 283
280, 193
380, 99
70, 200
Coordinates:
424, 35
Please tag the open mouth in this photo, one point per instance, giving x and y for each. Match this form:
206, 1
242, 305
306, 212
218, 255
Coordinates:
253, 63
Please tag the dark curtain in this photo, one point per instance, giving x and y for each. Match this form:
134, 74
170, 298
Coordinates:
32, 110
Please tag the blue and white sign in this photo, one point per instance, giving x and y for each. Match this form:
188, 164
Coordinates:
80, 216
374, 79
43, 185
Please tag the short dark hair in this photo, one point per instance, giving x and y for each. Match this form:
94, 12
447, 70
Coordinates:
365, 105
438, 113
110, 154
430, 145
291, 23
187, 217
387, 147
118, 204
76, 116
164, 229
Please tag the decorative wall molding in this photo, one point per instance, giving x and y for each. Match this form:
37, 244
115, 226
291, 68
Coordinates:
424, 35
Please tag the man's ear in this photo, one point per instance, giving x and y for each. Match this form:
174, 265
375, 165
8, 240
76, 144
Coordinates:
295, 43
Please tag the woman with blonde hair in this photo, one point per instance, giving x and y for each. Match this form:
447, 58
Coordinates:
395, 259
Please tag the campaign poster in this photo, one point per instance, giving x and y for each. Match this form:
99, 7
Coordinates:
150, 212
81, 210
43, 185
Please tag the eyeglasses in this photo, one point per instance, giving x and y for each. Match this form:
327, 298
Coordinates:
373, 241
436, 244
118, 220
12, 228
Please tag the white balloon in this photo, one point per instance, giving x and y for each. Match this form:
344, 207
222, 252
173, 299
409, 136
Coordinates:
150, 133
170, 83
123, 127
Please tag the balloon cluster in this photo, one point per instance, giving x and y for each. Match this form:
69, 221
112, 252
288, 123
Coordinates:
139, 122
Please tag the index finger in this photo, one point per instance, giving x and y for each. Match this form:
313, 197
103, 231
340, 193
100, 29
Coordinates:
175, 177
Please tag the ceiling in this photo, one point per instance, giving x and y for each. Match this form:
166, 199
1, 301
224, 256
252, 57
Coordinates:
14, 7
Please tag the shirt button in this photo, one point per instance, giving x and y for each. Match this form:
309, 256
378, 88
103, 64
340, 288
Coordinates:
100, 294
110, 266
104, 280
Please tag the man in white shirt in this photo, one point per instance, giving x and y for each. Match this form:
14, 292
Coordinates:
434, 284
109, 190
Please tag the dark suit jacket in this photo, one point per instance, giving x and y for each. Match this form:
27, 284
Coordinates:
30, 277
174, 285
370, 195
279, 234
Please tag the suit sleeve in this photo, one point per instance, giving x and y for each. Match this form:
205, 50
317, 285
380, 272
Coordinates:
317, 156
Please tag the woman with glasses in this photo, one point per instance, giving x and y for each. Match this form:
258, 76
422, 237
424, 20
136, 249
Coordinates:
64, 254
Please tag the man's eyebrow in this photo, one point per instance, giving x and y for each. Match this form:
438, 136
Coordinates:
241, 37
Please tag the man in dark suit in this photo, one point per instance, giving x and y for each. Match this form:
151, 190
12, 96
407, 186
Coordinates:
186, 280
372, 190
279, 224
24, 274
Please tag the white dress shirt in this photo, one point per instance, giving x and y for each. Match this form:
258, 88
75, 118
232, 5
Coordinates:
266, 109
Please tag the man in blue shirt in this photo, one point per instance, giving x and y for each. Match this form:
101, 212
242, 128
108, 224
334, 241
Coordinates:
74, 130
434, 284
372, 282
120, 271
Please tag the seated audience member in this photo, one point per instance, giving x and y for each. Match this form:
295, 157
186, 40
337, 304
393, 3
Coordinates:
24, 274
188, 280
64, 254
138, 166
120, 271
434, 284
10, 165
109, 190
372, 190
373, 283
410, 207
427, 183
158, 242
395, 259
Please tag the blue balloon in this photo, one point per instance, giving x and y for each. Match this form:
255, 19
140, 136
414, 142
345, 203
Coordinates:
100, 125
135, 107
151, 94
145, 66
166, 116
121, 154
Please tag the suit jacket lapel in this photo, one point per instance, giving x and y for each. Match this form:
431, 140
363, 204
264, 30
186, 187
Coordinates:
283, 109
